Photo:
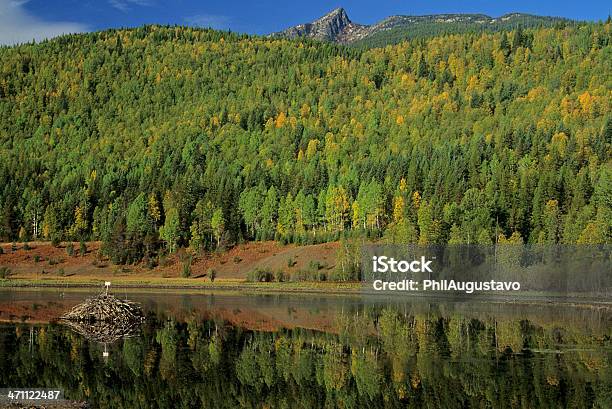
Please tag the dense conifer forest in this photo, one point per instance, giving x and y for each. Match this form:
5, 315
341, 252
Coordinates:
157, 138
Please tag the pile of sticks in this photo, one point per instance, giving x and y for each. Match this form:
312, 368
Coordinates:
106, 308
104, 332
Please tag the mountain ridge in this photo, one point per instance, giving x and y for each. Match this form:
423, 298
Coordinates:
337, 27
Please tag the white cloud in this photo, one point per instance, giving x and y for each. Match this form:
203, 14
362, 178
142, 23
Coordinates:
125, 5
17, 26
208, 20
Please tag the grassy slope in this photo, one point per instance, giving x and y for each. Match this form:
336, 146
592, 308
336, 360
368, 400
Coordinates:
55, 266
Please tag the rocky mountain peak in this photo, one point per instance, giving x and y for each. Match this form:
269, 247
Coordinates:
338, 16
335, 26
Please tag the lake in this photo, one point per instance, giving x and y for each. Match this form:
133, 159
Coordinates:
226, 350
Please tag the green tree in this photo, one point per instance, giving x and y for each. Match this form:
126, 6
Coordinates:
217, 223
137, 220
169, 232
286, 216
429, 227
51, 225
269, 213
551, 221
34, 214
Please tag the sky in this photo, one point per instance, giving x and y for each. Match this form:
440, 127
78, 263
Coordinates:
27, 20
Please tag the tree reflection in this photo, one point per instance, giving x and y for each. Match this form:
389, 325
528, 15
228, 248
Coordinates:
379, 358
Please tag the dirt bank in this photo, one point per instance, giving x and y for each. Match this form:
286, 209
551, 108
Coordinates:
40, 262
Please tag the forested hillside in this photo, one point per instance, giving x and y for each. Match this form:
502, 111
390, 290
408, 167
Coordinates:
162, 137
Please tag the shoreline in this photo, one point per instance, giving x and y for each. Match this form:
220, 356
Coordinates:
305, 288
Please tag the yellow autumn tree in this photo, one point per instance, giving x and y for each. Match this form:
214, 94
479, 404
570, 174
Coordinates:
153, 208
280, 120
399, 207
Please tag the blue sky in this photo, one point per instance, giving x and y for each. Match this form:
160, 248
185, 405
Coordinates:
24, 20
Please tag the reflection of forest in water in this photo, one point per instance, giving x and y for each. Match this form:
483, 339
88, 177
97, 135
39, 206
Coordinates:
376, 357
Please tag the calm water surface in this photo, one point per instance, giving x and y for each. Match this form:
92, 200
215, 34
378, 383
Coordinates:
270, 351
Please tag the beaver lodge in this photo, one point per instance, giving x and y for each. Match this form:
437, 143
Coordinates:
105, 318
105, 308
